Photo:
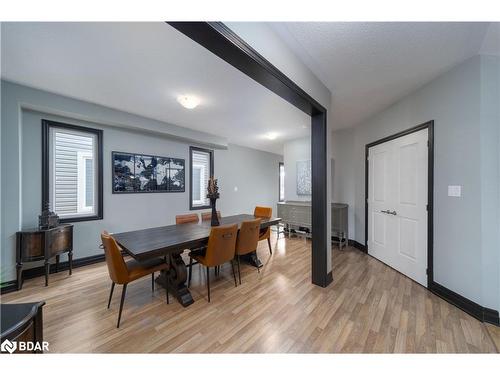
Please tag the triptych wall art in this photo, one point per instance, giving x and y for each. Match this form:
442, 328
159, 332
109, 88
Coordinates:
137, 173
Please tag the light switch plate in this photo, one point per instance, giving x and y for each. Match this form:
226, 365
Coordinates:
454, 190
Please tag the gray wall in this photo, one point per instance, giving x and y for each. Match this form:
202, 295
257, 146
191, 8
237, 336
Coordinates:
294, 151
343, 174
255, 173
246, 178
462, 102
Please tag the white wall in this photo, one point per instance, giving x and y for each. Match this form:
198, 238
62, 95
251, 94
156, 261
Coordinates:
294, 151
466, 153
254, 172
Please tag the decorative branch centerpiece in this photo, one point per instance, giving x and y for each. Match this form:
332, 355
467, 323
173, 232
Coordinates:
213, 195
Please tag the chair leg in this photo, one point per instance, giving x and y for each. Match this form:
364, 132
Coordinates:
234, 273
239, 271
124, 290
269, 243
153, 282
208, 283
190, 271
166, 286
47, 271
111, 293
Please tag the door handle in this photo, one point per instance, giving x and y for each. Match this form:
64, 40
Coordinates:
389, 212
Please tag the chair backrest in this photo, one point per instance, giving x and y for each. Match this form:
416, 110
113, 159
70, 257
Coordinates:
205, 216
117, 268
264, 212
221, 245
187, 218
248, 237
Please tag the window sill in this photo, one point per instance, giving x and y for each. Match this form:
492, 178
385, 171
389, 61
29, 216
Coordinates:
193, 208
67, 220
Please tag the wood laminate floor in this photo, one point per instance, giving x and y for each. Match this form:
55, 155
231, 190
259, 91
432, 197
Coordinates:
369, 308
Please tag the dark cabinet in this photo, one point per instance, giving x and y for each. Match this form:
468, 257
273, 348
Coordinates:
43, 244
22, 323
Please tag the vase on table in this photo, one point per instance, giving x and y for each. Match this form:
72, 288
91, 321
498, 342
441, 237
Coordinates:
213, 195
215, 217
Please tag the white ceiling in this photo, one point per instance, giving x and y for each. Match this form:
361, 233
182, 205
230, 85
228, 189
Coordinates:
369, 66
141, 68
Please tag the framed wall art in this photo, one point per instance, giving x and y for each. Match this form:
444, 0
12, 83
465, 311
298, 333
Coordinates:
138, 173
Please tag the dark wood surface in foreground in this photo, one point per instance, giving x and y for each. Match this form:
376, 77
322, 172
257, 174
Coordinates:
368, 308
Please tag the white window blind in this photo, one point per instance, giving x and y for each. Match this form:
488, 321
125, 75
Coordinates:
200, 173
281, 197
73, 178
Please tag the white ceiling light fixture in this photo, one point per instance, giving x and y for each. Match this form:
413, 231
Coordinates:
271, 136
188, 101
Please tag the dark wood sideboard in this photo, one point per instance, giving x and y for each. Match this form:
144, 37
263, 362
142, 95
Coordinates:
22, 322
43, 244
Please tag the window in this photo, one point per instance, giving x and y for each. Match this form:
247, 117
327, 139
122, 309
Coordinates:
202, 167
281, 194
72, 171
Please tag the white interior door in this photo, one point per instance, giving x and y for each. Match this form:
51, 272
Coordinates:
397, 204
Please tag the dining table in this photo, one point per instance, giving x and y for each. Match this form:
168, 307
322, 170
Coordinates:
171, 241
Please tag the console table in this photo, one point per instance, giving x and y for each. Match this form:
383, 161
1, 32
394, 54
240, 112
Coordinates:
22, 322
43, 244
296, 215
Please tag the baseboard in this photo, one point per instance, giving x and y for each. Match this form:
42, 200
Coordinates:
358, 246
491, 316
11, 286
352, 243
472, 308
8, 286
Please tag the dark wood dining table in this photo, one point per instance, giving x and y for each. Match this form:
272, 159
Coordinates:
171, 240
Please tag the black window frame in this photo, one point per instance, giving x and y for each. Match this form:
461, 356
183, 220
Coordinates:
211, 174
46, 126
280, 164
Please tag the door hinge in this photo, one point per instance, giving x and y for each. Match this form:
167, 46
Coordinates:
428, 143
427, 207
426, 271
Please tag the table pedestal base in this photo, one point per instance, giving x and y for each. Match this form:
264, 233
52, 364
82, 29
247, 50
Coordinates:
177, 277
252, 259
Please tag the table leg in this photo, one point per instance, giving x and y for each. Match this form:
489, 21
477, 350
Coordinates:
177, 276
19, 269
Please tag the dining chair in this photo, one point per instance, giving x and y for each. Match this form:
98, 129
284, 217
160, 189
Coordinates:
205, 216
122, 273
265, 234
247, 241
220, 249
187, 218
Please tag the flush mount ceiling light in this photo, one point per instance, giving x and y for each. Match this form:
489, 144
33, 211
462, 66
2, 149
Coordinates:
271, 136
188, 101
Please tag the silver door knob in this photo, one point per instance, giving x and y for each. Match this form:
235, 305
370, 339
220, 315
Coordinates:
389, 212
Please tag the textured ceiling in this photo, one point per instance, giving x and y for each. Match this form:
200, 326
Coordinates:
141, 68
369, 66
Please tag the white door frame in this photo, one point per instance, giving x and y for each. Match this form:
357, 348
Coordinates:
430, 190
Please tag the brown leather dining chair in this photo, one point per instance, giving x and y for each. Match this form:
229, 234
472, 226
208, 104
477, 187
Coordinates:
122, 272
187, 218
220, 249
247, 241
265, 234
205, 216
